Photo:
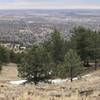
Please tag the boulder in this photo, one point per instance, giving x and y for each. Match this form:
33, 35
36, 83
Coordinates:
55, 94
85, 91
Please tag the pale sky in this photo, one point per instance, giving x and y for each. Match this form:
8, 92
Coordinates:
49, 4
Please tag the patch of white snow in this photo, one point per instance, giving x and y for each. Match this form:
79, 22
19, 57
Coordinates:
19, 82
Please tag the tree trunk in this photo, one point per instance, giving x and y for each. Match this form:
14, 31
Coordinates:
71, 74
95, 64
35, 82
35, 78
86, 63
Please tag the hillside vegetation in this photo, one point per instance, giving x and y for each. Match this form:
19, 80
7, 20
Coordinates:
75, 58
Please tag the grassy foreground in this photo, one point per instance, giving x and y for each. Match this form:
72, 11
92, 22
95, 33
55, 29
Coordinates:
87, 88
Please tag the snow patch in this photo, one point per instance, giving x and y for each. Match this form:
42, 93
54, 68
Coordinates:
58, 81
19, 82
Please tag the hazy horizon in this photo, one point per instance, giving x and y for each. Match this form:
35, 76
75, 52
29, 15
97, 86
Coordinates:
49, 4
51, 9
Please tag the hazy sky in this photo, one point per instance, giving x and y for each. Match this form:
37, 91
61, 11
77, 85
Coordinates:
38, 4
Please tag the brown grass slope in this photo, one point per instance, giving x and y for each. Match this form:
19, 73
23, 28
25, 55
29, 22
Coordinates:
87, 88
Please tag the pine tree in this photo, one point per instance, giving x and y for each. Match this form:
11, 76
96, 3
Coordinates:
82, 40
57, 47
72, 64
35, 64
4, 54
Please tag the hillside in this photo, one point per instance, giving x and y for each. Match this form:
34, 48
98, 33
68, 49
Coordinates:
87, 88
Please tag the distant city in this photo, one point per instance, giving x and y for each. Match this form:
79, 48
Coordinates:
26, 27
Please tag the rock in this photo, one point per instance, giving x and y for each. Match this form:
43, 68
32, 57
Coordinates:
59, 94
1, 85
67, 94
55, 94
85, 91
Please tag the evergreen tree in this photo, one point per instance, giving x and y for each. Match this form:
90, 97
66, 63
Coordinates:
0, 66
72, 64
57, 47
95, 47
35, 64
4, 54
82, 41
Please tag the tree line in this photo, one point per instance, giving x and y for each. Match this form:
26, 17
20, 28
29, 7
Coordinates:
59, 57
8, 56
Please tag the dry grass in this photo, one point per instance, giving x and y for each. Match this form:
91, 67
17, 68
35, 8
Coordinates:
67, 91
9, 72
